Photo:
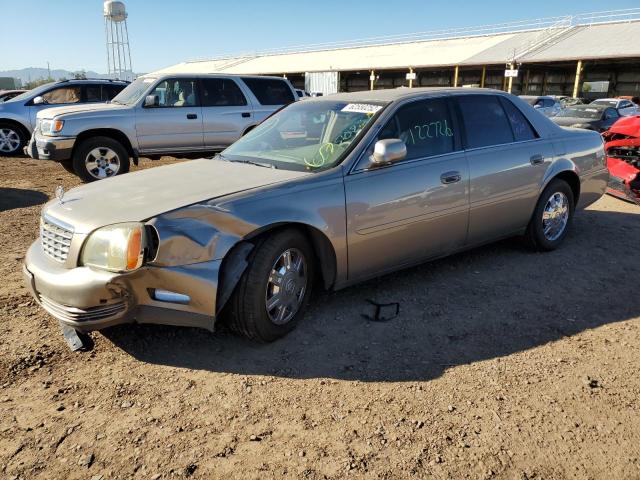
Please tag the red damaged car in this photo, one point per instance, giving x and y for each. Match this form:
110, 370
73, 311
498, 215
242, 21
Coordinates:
622, 144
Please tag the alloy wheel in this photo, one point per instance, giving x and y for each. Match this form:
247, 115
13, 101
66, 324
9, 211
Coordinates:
9, 140
555, 216
286, 286
102, 162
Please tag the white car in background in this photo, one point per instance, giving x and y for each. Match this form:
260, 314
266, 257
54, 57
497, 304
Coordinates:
545, 104
624, 107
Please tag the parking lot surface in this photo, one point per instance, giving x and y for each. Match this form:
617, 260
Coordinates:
502, 363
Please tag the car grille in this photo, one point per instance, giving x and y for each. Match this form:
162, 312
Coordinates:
65, 312
56, 238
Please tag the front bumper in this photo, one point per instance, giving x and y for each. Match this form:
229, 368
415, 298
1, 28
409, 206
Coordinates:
50, 148
89, 299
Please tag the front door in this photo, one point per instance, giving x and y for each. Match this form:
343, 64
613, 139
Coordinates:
56, 97
507, 163
174, 124
413, 209
225, 112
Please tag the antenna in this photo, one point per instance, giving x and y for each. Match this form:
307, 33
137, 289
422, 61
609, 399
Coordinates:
117, 34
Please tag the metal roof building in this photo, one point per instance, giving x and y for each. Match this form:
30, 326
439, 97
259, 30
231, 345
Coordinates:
581, 48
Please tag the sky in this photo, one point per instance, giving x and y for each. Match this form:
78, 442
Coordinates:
69, 34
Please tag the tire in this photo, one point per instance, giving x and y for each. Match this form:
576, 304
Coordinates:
248, 313
108, 156
557, 200
12, 140
68, 166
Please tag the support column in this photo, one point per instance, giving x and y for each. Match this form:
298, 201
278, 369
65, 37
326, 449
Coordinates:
483, 77
372, 79
455, 76
576, 83
510, 81
411, 79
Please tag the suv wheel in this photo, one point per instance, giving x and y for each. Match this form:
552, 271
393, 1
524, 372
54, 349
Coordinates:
12, 140
552, 217
97, 158
271, 296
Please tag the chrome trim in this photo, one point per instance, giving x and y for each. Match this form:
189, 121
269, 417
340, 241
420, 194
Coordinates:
73, 314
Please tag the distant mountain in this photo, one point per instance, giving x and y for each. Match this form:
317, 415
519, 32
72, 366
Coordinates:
29, 74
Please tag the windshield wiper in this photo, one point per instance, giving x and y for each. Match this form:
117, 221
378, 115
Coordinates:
251, 162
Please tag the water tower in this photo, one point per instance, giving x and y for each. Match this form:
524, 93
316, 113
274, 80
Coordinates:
118, 53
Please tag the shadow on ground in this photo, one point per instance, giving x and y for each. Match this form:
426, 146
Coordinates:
11, 198
482, 304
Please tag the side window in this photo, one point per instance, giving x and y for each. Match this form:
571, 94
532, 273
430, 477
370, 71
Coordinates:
221, 92
485, 122
176, 92
270, 91
424, 126
522, 129
610, 113
92, 93
549, 103
110, 91
62, 95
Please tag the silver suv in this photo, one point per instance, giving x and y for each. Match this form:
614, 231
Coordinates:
157, 115
18, 114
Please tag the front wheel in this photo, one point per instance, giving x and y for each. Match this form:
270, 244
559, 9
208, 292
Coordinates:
97, 158
552, 217
271, 296
12, 140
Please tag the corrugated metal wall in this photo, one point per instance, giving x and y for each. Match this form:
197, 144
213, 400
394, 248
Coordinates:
322, 82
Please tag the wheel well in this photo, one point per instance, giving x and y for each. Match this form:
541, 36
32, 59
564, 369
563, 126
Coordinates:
322, 247
19, 126
248, 129
106, 132
574, 182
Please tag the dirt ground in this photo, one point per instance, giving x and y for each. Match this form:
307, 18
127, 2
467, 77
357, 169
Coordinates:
503, 363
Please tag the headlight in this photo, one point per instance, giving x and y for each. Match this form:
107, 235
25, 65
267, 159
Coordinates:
48, 127
118, 248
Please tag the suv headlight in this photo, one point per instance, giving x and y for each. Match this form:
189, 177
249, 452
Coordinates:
48, 127
117, 248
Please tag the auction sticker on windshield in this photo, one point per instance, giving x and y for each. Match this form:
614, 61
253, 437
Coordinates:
361, 108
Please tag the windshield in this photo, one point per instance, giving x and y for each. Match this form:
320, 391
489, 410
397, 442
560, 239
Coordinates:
307, 136
133, 92
591, 113
32, 93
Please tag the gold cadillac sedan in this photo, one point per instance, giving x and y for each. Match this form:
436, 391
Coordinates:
325, 193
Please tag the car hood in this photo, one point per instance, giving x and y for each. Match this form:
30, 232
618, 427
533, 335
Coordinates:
82, 108
568, 121
145, 194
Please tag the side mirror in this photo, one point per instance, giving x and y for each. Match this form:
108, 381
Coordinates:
39, 100
151, 101
388, 151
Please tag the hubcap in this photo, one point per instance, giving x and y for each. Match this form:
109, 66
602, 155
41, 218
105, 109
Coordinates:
9, 140
102, 162
286, 286
555, 216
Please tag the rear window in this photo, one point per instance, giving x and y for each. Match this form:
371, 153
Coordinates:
110, 91
485, 121
270, 91
522, 129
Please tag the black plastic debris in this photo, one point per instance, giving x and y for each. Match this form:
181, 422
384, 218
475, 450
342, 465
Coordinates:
383, 311
76, 340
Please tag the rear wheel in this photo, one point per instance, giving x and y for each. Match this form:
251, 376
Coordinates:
97, 158
272, 294
552, 217
12, 140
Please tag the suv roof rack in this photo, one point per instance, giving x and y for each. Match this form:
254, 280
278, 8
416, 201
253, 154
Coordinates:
93, 79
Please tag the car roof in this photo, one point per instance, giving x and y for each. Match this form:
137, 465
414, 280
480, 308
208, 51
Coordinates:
401, 93
92, 80
206, 74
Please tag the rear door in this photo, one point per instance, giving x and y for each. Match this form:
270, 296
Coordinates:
413, 209
225, 112
507, 163
174, 125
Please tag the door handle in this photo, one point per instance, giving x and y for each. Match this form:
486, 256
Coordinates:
450, 177
246, 114
192, 116
536, 159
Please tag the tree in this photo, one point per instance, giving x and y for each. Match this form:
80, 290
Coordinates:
37, 82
